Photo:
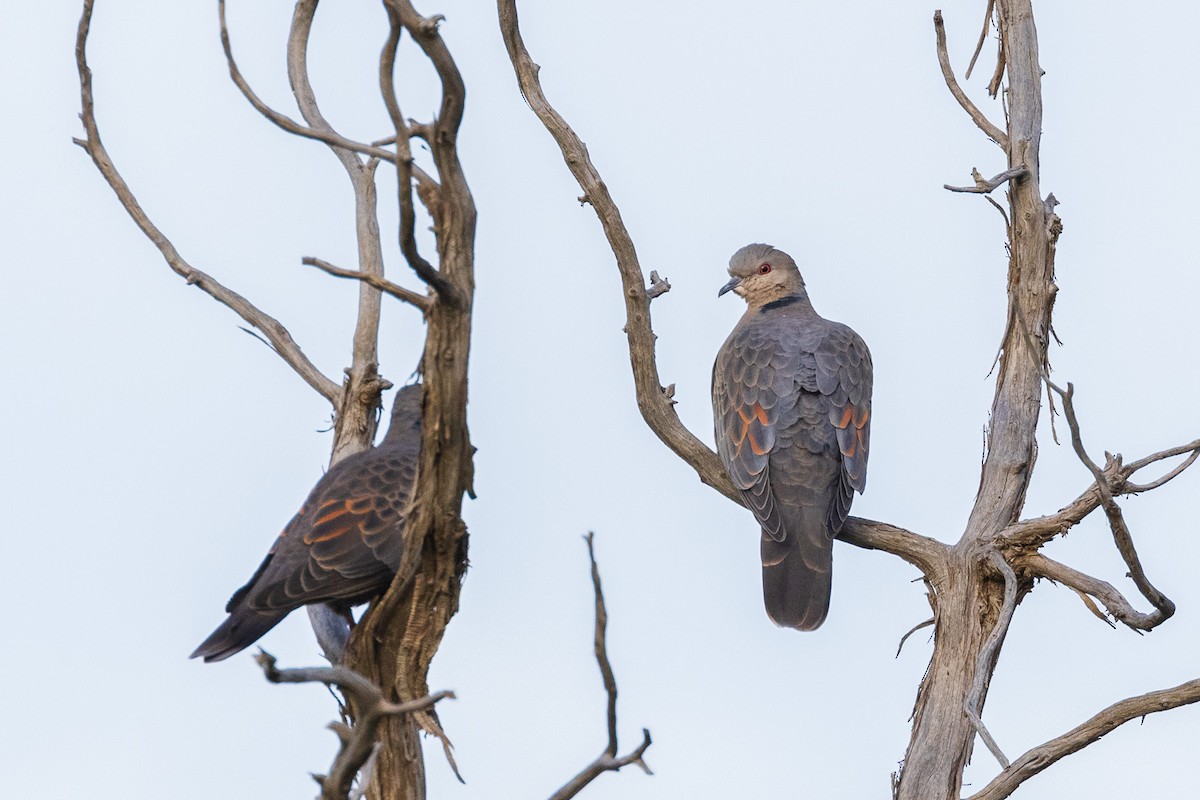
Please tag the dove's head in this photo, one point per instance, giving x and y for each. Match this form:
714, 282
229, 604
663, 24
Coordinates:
760, 274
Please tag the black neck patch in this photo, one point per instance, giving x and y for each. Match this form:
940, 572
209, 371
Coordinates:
781, 302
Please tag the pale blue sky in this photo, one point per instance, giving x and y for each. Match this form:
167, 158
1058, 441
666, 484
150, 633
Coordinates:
155, 450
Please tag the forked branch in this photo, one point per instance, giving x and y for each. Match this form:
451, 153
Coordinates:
358, 742
271, 328
1041, 566
654, 402
608, 760
1074, 740
283, 121
995, 134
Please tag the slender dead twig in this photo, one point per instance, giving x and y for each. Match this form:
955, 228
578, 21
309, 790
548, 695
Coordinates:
995, 134
382, 284
1041, 566
1079, 737
911, 631
608, 760
358, 742
654, 403
270, 327
984, 186
283, 121
1116, 518
987, 23
989, 653
404, 160
1039, 530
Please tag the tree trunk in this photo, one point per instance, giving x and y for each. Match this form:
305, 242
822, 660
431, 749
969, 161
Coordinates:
971, 594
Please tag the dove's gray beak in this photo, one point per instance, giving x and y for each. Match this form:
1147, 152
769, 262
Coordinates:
733, 284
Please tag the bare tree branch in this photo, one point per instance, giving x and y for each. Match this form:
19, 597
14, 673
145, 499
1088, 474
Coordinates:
987, 23
654, 401
288, 124
1116, 518
1041, 566
913, 630
382, 284
985, 661
1039, 530
608, 760
1074, 740
404, 160
995, 134
271, 328
358, 743
983, 186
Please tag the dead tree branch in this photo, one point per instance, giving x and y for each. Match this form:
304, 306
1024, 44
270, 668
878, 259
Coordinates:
654, 403
1074, 740
283, 121
608, 760
985, 661
1039, 530
358, 742
995, 134
1041, 566
987, 23
984, 186
270, 328
404, 160
382, 284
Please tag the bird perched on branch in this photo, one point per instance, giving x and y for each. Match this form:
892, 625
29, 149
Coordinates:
792, 412
344, 545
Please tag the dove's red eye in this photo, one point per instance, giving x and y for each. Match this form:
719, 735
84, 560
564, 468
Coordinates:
764, 269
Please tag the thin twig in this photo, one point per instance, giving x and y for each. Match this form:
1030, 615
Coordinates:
1039, 530
608, 760
656, 407
371, 707
404, 160
271, 328
1041, 566
995, 134
382, 284
988, 654
911, 631
987, 23
1074, 740
983, 186
285, 122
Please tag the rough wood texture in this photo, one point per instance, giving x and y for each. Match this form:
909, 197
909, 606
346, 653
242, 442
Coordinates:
400, 633
976, 584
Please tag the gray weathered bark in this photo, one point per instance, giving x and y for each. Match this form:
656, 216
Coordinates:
975, 584
400, 633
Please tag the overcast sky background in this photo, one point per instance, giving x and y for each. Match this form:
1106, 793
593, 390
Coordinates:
154, 450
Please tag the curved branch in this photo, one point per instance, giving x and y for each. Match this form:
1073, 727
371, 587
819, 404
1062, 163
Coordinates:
1039, 530
995, 134
330, 137
1041, 566
988, 654
655, 402
270, 327
608, 760
1074, 740
404, 160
